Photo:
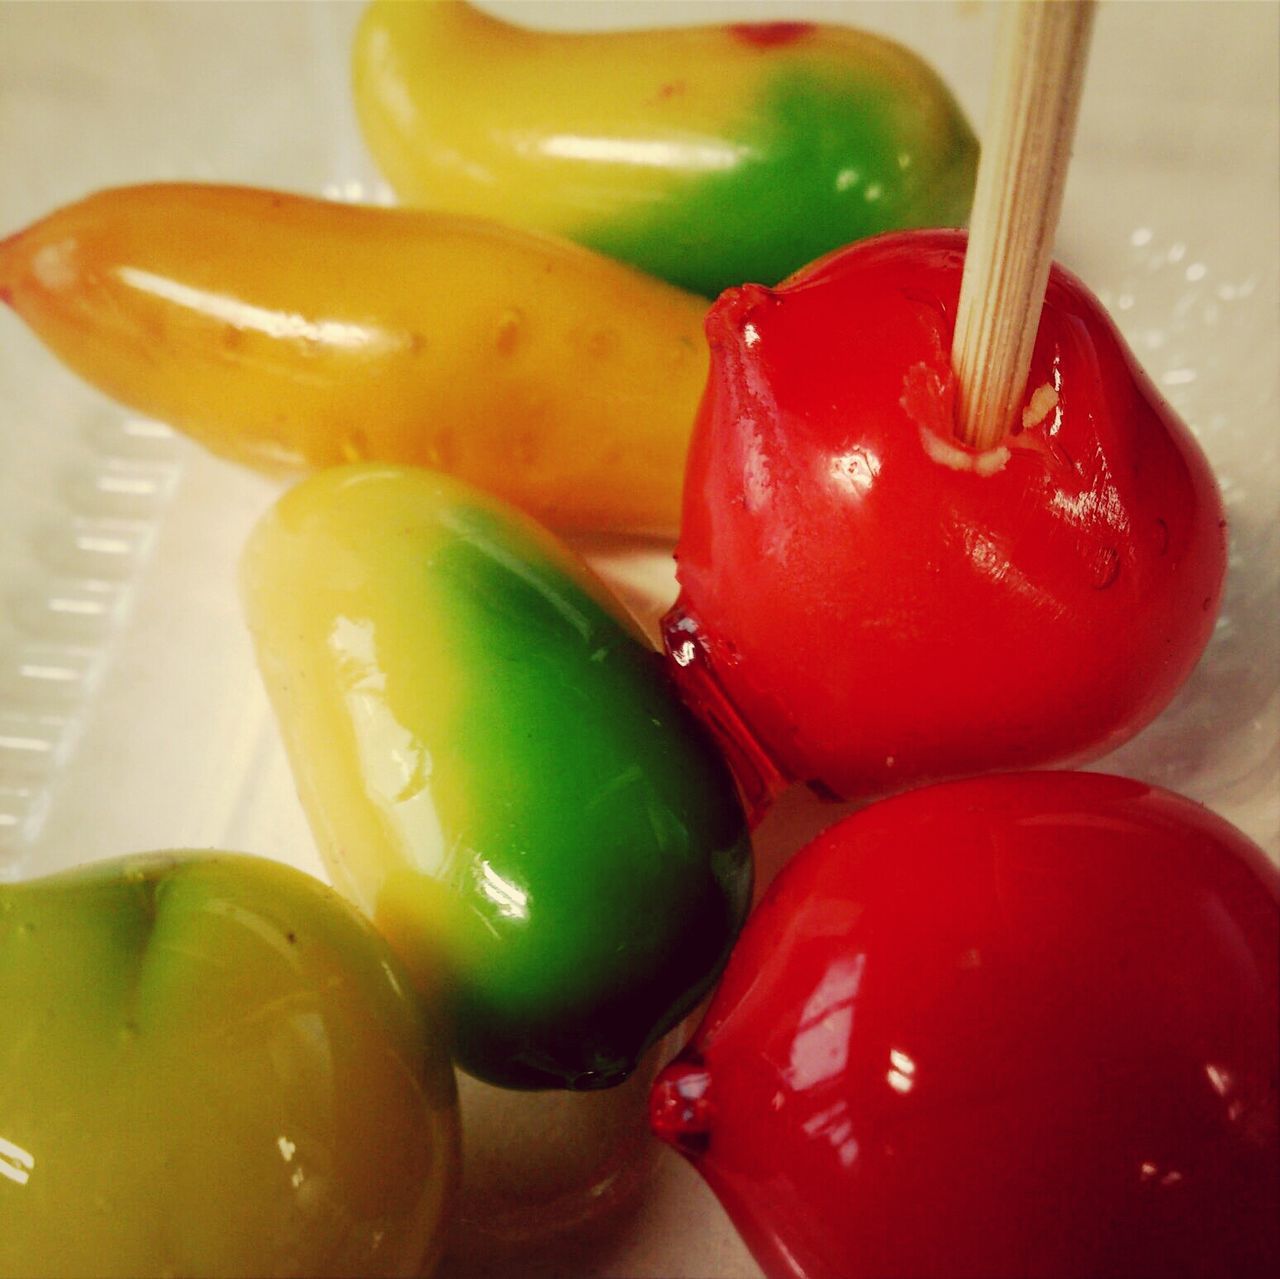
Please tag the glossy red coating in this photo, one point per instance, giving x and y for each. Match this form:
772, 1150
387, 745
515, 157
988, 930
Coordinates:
1016, 1026
883, 606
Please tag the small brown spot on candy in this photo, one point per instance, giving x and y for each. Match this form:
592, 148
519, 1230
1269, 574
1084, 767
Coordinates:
508, 331
601, 343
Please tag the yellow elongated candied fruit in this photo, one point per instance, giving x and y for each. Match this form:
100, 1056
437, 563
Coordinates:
285, 331
710, 156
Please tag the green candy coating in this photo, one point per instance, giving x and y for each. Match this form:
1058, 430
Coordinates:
828, 159
711, 156
498, 771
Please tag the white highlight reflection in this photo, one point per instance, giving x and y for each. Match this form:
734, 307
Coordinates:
16, 1163
835, 1125
820, 1049
1219, 1078
395, 764
511, 900
901, 1076
702, 155
244, 315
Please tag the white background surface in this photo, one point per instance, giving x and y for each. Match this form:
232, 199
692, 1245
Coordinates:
130, 712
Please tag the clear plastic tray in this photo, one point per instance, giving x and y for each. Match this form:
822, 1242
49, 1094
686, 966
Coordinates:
131, 716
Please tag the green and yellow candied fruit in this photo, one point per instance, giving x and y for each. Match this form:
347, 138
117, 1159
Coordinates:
709, 156
497, 770
210, 1064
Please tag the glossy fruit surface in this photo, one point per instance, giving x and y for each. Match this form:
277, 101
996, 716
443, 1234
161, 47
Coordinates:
284, 331
705, 155
882, 606
211, 1065
1016, 1026
497, 770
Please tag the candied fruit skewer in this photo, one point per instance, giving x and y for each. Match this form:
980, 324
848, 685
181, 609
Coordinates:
283, 331
705, 155
1079, 556
1083, 558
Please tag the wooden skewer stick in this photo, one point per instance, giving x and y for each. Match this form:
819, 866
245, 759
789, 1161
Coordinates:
1031, 119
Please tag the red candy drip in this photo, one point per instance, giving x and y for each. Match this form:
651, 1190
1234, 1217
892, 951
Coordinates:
680, 1107
759, 781
770, 35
